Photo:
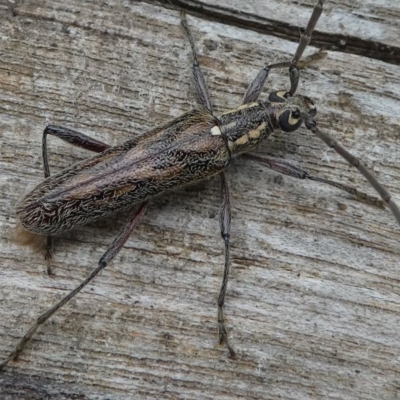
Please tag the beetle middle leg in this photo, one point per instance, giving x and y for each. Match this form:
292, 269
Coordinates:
203, 98
286, 168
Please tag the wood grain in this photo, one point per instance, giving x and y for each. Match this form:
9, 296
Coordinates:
313, 303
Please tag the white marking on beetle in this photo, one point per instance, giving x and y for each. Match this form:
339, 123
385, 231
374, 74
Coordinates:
215, 131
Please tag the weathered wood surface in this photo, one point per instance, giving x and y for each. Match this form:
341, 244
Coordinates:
313, 304
368, 28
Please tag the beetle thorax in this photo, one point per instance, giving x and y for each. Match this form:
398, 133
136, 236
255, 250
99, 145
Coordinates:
246, 126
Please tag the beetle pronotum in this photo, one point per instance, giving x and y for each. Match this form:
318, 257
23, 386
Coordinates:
190, 148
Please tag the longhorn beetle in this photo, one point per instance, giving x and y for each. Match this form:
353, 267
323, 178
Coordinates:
190, 148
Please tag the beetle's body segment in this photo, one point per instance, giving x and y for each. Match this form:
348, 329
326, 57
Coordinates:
186, 150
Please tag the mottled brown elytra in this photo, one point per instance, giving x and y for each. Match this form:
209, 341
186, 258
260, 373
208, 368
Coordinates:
190, 148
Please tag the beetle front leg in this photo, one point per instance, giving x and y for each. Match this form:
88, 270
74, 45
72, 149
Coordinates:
256, 86
225, 225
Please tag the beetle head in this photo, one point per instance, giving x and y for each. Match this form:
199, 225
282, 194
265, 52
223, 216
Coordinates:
293, 110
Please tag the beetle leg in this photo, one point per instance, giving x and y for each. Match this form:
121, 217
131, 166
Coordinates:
106, 258
49, 254
257, 85
355, 162
225, 225
202, 94
77, 139
288, 169
70, 136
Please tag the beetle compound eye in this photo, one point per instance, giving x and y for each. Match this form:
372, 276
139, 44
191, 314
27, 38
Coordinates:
290, 120
296, 114
277, 97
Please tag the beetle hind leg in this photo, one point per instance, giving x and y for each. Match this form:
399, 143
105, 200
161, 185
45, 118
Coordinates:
77, 139
106, 258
